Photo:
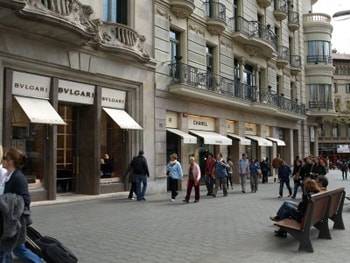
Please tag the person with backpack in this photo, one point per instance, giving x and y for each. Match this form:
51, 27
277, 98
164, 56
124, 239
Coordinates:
220, 173
14, 182
140, 172
175, 174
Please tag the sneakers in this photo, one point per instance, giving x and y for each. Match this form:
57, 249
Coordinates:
185, 201
172, 200
132, 198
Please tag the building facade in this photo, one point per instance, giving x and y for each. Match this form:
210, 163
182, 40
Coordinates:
77, 84
334, 132
230, 78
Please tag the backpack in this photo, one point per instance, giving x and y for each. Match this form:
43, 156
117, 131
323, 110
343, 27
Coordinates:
49, 248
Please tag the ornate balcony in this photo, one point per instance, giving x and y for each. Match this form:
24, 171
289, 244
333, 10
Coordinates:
215, 13
283, 56
317, 23
281, 9
200, 84
66, 20
122, 40
293, 21
264, 3
257, 39
295, 64
182, 8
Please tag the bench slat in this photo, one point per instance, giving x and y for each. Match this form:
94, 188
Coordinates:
289, 223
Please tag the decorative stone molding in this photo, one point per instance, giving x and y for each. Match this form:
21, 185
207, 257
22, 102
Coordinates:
251, 50
196, 29
182, 8
122, 38
72, 23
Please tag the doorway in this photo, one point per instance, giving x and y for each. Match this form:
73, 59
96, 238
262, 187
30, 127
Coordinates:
67, 145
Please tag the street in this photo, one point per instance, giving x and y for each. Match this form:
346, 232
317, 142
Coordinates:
225, 229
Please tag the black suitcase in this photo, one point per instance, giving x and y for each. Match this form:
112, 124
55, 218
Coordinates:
48, 248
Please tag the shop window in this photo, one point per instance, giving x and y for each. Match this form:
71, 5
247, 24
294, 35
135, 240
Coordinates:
115, 11
30, 139
113, 151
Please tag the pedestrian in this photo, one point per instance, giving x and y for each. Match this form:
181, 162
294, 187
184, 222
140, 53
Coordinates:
209, 167
220, 172
140, 172
284, 172
305, 171
243, 167
276, 163
230, 173
14, 182
131, 178
194, 177
296, 211
255, 170
344, 170
174, 171
297, 178
265, 170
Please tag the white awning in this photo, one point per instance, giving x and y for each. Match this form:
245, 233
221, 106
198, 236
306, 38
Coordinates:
242, 140
187, 138
260, 140
39, 111
277, 141
123, 119
212, 138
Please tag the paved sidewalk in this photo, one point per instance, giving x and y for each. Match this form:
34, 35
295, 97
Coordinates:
225, 229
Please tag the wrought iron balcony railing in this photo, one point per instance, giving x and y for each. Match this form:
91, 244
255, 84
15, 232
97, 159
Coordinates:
254, 29
204, 80
215, 10
319, 59
321, 105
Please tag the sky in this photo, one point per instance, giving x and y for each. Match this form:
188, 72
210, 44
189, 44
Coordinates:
341, 28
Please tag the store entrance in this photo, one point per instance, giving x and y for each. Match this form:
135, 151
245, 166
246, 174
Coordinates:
67, 144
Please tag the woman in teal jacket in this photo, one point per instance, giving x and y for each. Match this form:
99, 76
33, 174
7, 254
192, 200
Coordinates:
174, 171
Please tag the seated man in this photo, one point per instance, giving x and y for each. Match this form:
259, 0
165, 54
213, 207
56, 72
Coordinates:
322, 182
296, 211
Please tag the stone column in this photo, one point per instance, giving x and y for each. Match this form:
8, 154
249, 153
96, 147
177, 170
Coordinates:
221, 129
289, 152
316, 143
185, 148
257, 82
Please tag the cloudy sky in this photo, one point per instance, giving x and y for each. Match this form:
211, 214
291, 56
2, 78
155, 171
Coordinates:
341, 33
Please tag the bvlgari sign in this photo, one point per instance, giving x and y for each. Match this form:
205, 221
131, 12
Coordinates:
30, 85
76, 92
112, 98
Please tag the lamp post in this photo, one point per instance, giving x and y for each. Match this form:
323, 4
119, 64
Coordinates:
342, 15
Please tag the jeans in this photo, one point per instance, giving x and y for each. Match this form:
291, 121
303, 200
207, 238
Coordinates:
5, 257
190, 185
282, 182
297, 184
209, 182
229, 180
345, 175
265, 177
140, 192
173, 185
254, 182
220, 181
132, 190
243, 181
288, 210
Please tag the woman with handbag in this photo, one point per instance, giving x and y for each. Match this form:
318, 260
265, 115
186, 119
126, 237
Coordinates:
16, 183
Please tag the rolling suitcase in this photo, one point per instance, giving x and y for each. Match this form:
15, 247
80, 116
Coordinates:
48, 248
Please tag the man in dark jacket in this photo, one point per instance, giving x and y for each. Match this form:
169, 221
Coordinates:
140, 172
284, 172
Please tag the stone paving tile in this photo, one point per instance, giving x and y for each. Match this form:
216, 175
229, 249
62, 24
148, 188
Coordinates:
231, 229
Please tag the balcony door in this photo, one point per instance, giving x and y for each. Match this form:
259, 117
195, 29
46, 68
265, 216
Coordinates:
115, 11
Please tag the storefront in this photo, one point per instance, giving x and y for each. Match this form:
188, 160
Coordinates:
77, 136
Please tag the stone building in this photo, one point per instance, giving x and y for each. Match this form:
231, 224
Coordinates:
77, 84
334, 132
231, 77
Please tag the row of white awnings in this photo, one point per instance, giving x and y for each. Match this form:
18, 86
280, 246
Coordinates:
42, 112
213, 138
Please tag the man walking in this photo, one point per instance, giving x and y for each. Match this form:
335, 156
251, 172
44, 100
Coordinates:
140, 172
221, 174
284, 172
209, 167
243, 171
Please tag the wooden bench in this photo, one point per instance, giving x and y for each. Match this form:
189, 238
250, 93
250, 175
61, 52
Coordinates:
320, 208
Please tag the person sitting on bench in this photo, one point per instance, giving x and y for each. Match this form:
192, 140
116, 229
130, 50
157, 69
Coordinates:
296, 211
322, 182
